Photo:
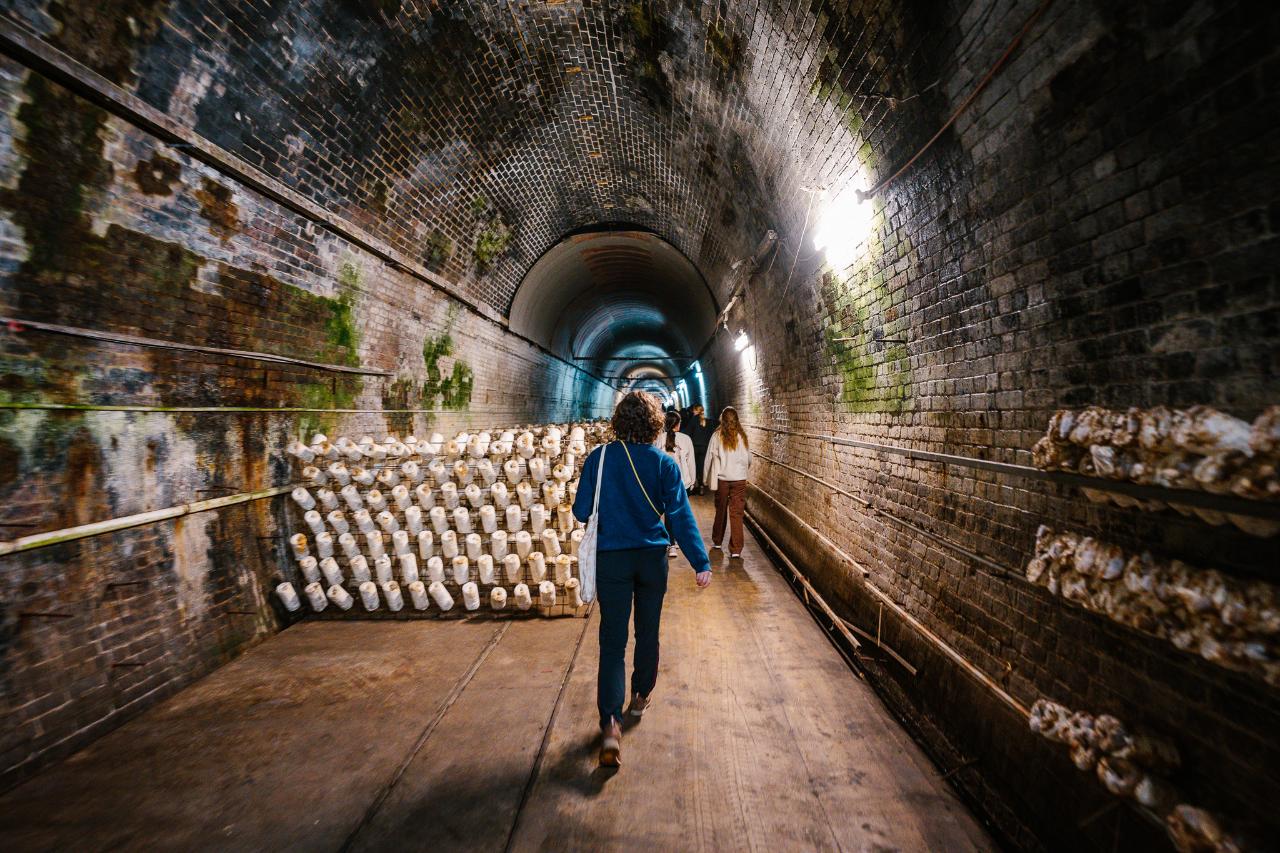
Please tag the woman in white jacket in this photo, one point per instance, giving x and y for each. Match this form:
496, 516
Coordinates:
678, 446
728, 460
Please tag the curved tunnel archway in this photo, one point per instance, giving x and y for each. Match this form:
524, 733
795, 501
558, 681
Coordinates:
934, 239
624, 304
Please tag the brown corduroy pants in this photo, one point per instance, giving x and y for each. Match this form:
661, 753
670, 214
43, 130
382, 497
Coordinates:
731, 503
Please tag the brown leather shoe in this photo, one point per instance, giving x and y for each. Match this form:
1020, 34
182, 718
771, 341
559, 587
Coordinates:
611, 745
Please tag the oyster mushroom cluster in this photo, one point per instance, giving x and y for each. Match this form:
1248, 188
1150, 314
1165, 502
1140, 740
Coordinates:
1133, 765
1199, 448
1127, 763
1194, 830
1231, 622
480, 514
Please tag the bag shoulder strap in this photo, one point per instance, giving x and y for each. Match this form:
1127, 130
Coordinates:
641, 484
595, 501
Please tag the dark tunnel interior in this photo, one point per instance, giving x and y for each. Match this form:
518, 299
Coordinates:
993, 287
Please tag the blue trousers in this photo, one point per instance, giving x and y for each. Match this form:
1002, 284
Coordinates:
639, 574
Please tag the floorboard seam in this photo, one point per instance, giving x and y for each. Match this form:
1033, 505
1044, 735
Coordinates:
456, 692
546, 738
764, 662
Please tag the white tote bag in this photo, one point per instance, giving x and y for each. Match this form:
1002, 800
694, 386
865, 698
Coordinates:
587, 547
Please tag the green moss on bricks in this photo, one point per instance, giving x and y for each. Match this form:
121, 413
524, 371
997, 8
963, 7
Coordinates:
874, 377
452, 391
491, 242
434, 349
341, 336
867, 155
725, 47
641, 21
340, 327
494, 235
438, 251
455, 392
339, 392
348, 276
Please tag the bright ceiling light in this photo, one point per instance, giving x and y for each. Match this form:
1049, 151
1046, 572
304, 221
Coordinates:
843, 227
740, 343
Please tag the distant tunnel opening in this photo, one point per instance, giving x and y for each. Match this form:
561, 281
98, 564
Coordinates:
992, 285
623, 303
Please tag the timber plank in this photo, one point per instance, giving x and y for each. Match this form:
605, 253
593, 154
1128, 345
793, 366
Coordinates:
760, 738
279, 749
462, 790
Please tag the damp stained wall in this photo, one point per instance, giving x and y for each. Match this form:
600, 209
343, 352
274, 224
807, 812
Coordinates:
1099, 227
107, 228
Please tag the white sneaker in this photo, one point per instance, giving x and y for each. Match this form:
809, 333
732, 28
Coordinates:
671, 552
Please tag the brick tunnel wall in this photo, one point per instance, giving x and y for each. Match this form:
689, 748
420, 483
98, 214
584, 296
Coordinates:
1100, 228
105, 227
1096, 229
470, 135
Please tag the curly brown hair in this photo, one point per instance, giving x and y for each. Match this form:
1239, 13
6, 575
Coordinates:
637, 418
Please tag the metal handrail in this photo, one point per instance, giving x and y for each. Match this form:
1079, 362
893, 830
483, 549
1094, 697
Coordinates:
156, 343
97, 528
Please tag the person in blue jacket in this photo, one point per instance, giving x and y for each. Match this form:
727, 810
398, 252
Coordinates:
640, 485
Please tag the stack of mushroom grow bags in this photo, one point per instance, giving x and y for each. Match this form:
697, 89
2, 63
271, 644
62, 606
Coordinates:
442, 526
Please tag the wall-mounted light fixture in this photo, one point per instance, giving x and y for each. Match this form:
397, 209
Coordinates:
843, 226
762, 251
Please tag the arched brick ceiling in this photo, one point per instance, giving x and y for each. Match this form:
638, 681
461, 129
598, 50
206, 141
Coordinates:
608, 298
475, 134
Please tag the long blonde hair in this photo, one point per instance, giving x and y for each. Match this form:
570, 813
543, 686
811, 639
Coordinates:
730, 429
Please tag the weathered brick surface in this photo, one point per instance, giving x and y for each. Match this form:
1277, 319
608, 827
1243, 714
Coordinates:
1097, 228
106, 228
470, 135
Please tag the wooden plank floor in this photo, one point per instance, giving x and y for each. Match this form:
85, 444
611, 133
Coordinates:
760, 738
481, 736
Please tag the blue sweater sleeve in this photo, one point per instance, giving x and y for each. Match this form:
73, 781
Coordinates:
679, 515
586, 493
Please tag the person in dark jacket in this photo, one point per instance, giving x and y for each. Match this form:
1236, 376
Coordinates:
699, 428
640, 485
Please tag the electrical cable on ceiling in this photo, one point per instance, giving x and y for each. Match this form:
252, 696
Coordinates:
982, 84
803, 233
965, 46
